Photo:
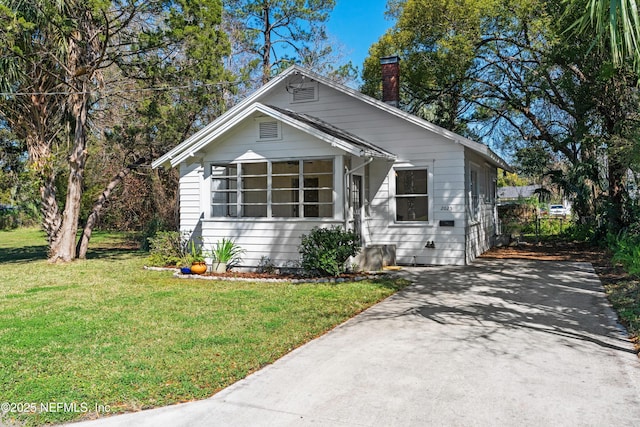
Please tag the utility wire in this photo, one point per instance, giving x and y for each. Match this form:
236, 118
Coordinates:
116, 91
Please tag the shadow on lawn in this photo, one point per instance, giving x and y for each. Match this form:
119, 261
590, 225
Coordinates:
23, 254
39, 253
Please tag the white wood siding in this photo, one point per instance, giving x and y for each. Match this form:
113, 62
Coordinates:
415, 147
190, 196
242, 144
276, 238
481, 230
273, 238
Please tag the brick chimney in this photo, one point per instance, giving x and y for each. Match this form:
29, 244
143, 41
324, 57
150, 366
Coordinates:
391, 80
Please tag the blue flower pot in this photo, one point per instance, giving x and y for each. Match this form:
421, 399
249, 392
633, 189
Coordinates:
185, 270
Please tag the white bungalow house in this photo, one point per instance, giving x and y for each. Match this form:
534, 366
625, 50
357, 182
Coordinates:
305, 151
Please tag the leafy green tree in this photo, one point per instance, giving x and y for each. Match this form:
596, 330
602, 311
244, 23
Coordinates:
276, 33
57, 61
508, 73
616, 27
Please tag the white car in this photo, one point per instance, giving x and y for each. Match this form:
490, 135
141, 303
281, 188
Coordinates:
558, 210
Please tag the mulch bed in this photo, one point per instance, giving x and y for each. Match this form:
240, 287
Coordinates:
270, 277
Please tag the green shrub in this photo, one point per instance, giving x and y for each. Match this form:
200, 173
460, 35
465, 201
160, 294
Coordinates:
626, 251
326, 250
227, 251
167, 248
266, 265
580, 232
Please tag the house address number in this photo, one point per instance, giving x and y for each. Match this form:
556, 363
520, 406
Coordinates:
446, 208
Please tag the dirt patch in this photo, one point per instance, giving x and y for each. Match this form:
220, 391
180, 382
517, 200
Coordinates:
549, 251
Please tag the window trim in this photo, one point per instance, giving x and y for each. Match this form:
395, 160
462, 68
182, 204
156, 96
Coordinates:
300, 203
474, 207
393, 190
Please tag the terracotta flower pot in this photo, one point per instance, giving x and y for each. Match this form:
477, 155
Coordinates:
198, 268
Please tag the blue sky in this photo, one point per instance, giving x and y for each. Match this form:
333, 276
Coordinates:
357, 24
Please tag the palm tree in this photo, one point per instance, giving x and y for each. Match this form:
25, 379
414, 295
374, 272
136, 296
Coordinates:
616, 26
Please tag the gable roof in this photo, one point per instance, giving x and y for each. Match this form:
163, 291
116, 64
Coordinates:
312, 126
523, 191
368, 149
188, 147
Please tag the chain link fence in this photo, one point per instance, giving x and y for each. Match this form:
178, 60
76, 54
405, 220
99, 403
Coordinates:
526, 222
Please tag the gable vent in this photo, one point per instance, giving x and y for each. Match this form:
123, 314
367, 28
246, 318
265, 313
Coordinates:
268, 130
304, 94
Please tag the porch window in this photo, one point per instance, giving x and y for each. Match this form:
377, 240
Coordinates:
412, 196
282, 189
317, 188
254, 189
224, 188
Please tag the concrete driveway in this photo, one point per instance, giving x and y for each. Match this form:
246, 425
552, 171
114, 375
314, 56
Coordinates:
498, 343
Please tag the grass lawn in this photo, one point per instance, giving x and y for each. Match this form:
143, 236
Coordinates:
106, 333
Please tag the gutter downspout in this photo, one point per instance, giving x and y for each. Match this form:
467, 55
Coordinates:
346, 182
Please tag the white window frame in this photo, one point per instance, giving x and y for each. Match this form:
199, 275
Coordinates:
300, 203
474, 195
393, 192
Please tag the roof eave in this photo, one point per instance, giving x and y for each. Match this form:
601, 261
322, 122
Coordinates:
258, 107
473, 145
167, 158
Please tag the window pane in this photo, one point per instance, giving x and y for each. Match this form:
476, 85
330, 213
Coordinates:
412, 208
322, 196
284, 196
225, 210
318, 166
223, 190
256, 183
254, 197
254, 169
411, 181
280, 168
284, 182
317, 210
284, 211
325, 211
254, 210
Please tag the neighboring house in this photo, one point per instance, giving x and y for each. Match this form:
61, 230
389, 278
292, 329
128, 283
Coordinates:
305, 151
516, 193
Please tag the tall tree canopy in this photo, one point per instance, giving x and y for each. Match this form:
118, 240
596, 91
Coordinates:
275, 33
511, 74
62, 62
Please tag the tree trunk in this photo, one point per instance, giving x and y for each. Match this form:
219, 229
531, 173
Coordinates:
83, 243
51, 219
64, 245
266, 54
616, 220
39, 150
